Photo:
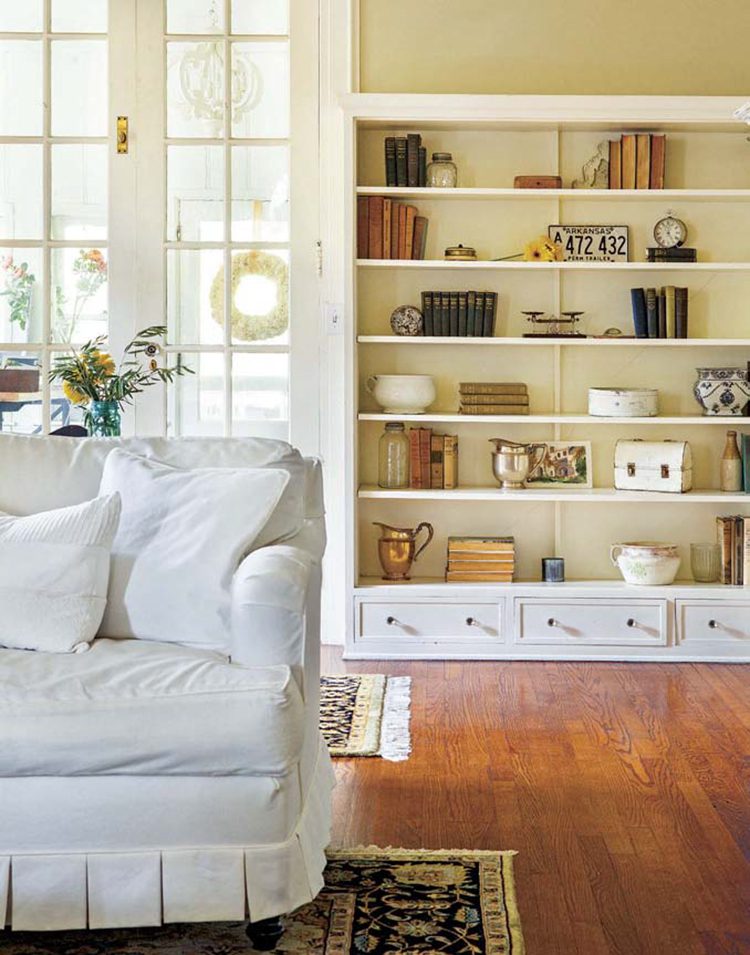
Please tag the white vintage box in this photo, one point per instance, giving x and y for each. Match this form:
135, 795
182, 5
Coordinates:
653, 466
623, 402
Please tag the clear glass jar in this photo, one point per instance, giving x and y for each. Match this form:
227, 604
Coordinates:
442, 172
705, 562
393, 456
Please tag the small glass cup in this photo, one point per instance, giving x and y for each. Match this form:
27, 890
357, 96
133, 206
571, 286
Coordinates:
705, 562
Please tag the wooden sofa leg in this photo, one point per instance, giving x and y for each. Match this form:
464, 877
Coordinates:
265, 934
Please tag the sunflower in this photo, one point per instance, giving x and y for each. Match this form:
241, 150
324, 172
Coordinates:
73, 394
542, 249
103, 362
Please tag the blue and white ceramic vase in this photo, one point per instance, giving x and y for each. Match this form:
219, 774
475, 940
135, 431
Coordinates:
722, 391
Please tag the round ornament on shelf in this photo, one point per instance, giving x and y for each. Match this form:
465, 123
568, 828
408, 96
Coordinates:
267, 270
407, 320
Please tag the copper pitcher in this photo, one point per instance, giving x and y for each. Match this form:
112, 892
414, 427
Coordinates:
397, 548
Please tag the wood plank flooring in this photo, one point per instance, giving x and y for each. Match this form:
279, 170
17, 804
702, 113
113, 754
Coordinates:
625, 789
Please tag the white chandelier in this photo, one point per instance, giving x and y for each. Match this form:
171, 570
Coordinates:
202, 81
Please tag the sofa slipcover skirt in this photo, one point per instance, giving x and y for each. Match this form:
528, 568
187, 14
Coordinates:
116, 889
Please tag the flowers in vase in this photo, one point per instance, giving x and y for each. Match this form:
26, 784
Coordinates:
91, 272
19, 283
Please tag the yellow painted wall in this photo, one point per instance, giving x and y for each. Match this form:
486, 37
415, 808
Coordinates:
556, 46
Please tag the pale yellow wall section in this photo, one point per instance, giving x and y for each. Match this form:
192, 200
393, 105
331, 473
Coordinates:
678, 47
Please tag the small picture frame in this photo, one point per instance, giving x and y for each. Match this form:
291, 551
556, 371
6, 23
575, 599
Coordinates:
563, 464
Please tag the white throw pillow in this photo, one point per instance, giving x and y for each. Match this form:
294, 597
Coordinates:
54, 570
181, 537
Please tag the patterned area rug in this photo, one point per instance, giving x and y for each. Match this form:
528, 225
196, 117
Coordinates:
366, 715
376, 901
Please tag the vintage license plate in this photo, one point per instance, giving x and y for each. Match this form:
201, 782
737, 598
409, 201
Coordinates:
591, 243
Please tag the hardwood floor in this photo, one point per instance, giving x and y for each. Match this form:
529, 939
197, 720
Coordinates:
624, 788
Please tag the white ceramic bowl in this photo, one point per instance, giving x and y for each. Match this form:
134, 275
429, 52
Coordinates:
646, 563
402, 394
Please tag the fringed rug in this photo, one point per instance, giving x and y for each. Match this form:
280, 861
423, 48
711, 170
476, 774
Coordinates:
375, 901
366, 715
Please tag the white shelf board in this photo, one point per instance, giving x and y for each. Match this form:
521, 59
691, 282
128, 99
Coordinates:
571, 495
429, 586
640, 195
485, 265
568, 342
561, 419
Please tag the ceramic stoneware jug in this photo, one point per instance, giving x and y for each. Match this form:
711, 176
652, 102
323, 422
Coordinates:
397, 548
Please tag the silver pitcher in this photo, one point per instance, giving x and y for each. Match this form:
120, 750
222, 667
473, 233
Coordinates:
512, 462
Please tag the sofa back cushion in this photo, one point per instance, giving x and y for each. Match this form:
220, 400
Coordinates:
38, 473
54, 570
181, 537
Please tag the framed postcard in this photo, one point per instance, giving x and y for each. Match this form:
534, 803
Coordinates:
563, 464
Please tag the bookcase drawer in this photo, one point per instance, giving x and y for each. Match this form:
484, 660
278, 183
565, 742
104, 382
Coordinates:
473, 621
603, 622
726, 621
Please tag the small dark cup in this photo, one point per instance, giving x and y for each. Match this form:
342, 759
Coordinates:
553, 570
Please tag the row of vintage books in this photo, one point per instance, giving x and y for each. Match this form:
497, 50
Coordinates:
433, 460
493, 397
637, 161
459, 314
660, 313
480, 559
405, 161
734, 541
389, 230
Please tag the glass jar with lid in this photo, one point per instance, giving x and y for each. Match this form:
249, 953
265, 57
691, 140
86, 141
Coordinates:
393, 456
442, 172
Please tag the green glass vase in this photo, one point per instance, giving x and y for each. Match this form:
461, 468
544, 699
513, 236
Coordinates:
103, 419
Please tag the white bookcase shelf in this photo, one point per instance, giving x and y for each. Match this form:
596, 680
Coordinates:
593, 615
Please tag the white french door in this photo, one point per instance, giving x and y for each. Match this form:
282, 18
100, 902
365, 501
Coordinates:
207, 224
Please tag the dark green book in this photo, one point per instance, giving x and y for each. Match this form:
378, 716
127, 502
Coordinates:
661, 309
390, 160
401, 175
490, 298
745, 451
428, 327
453, 314
462, 314
445, 314
479, 314
422, 166
470, 303
652, 315
680, 312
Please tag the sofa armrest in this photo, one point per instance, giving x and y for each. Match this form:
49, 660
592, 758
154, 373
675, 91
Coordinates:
272, 620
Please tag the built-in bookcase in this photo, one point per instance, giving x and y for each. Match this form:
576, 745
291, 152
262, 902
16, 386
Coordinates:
493, 139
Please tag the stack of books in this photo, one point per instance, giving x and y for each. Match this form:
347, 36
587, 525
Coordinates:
433, 460
679, 253
734, 541
405, 161
480, 559
745, 450
660, 313
462, 314
389, 230
637, 161
493, 397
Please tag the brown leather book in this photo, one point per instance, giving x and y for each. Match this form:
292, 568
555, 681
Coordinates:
363, 227
401, 232
643, 161
450, 461
498, 565
376, 227
415, 464
658, 160
436, 461
395, 207
492, 388
509, 398
411, 215
615, 164
387, 220
494, 409
477, 577
724, 527
628, 161
425, 452
420, 237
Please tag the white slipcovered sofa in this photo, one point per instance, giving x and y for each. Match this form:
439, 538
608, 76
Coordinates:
145, 782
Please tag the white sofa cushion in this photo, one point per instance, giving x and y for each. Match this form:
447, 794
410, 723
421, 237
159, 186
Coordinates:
134, 707
181, 537
39, 472
54, 570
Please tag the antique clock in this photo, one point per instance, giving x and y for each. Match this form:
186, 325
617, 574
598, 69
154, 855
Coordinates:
670, 232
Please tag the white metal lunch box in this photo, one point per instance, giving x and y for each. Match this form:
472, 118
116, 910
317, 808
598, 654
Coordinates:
653, 466
623, 402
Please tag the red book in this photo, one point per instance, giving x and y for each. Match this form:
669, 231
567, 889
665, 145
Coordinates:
363, 227
401, 232
415, 465
395, 211
411, 215
387, 223
420, 237
425, 452
376, 227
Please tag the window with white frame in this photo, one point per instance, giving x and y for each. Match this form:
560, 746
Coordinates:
224, 284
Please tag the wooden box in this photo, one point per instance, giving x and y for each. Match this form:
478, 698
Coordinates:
19, 381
